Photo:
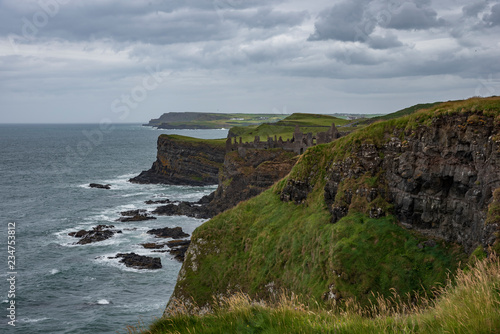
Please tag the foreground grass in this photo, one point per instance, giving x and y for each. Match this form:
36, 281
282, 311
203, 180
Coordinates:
468, 304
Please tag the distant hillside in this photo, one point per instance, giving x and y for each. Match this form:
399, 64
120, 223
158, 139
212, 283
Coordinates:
201, 120
399, 113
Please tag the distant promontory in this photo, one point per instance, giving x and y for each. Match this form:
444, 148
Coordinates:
202, 120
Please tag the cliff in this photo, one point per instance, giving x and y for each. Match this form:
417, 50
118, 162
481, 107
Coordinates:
435, 171
242, 176
392, 207
185, 161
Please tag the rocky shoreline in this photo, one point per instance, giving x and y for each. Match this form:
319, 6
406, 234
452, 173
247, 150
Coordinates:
177, 247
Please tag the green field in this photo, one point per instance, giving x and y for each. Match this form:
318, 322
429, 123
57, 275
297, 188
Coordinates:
197, 120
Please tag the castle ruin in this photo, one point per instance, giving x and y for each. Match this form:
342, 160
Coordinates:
298, 144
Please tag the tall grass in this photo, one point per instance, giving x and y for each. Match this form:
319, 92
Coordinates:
468, 303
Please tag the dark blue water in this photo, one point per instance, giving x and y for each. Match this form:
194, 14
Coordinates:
66, 288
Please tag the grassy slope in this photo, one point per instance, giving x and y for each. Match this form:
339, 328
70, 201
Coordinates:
196, 141
266, 240
469, 305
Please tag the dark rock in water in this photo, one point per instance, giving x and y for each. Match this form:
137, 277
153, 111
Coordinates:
139, 261
178, 243
189, 209
98, 233
160, 201
78, 234
152, 245
134, 216
100, 186
133, 212
178, 248
167, 232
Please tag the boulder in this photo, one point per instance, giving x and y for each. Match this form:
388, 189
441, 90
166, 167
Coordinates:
139, 261
134, 215
178, 248
167, 232
98, 233
100, 186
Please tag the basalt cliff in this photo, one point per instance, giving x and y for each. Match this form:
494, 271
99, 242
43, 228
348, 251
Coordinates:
184, 161
395, 206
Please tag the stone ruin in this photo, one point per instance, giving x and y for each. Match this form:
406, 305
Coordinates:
298, 144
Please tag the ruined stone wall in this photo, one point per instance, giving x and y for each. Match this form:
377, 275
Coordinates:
298, 144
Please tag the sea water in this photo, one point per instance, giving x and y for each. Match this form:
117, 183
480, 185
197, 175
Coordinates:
61, 287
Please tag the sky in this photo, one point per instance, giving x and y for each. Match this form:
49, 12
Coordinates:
90, 61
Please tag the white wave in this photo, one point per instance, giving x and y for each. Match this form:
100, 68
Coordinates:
28, 320
103, 302
135, 194
54, 271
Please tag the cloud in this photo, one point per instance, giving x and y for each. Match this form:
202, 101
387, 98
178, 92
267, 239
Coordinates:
155, 22
412, 15
473, 9
390, 40
493, 19
342, 22
267, 53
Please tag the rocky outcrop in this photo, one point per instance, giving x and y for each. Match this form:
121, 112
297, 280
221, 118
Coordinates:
437, 178
98, 233
178, 248
134, 216
184, 161
100, 186
249, 172
139, 261
167, 232
244, 175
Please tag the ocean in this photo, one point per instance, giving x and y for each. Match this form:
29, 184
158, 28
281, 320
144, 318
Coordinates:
56, 285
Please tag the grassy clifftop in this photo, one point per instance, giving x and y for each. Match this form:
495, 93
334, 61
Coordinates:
196, 141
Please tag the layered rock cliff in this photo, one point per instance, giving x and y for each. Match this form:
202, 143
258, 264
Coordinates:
242, 176
436, 176
185, 161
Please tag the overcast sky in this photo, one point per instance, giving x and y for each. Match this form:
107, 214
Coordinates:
70, 61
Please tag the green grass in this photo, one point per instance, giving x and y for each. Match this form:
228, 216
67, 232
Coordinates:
400, 113
196, 141
265, 241
468, 304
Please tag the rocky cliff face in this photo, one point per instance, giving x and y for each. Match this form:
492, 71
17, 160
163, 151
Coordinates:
243, 175
249, 172
184, 162
437, 178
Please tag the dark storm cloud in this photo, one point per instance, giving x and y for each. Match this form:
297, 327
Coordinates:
493, 19
473, 9
155, 22
417, 16
342, 22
